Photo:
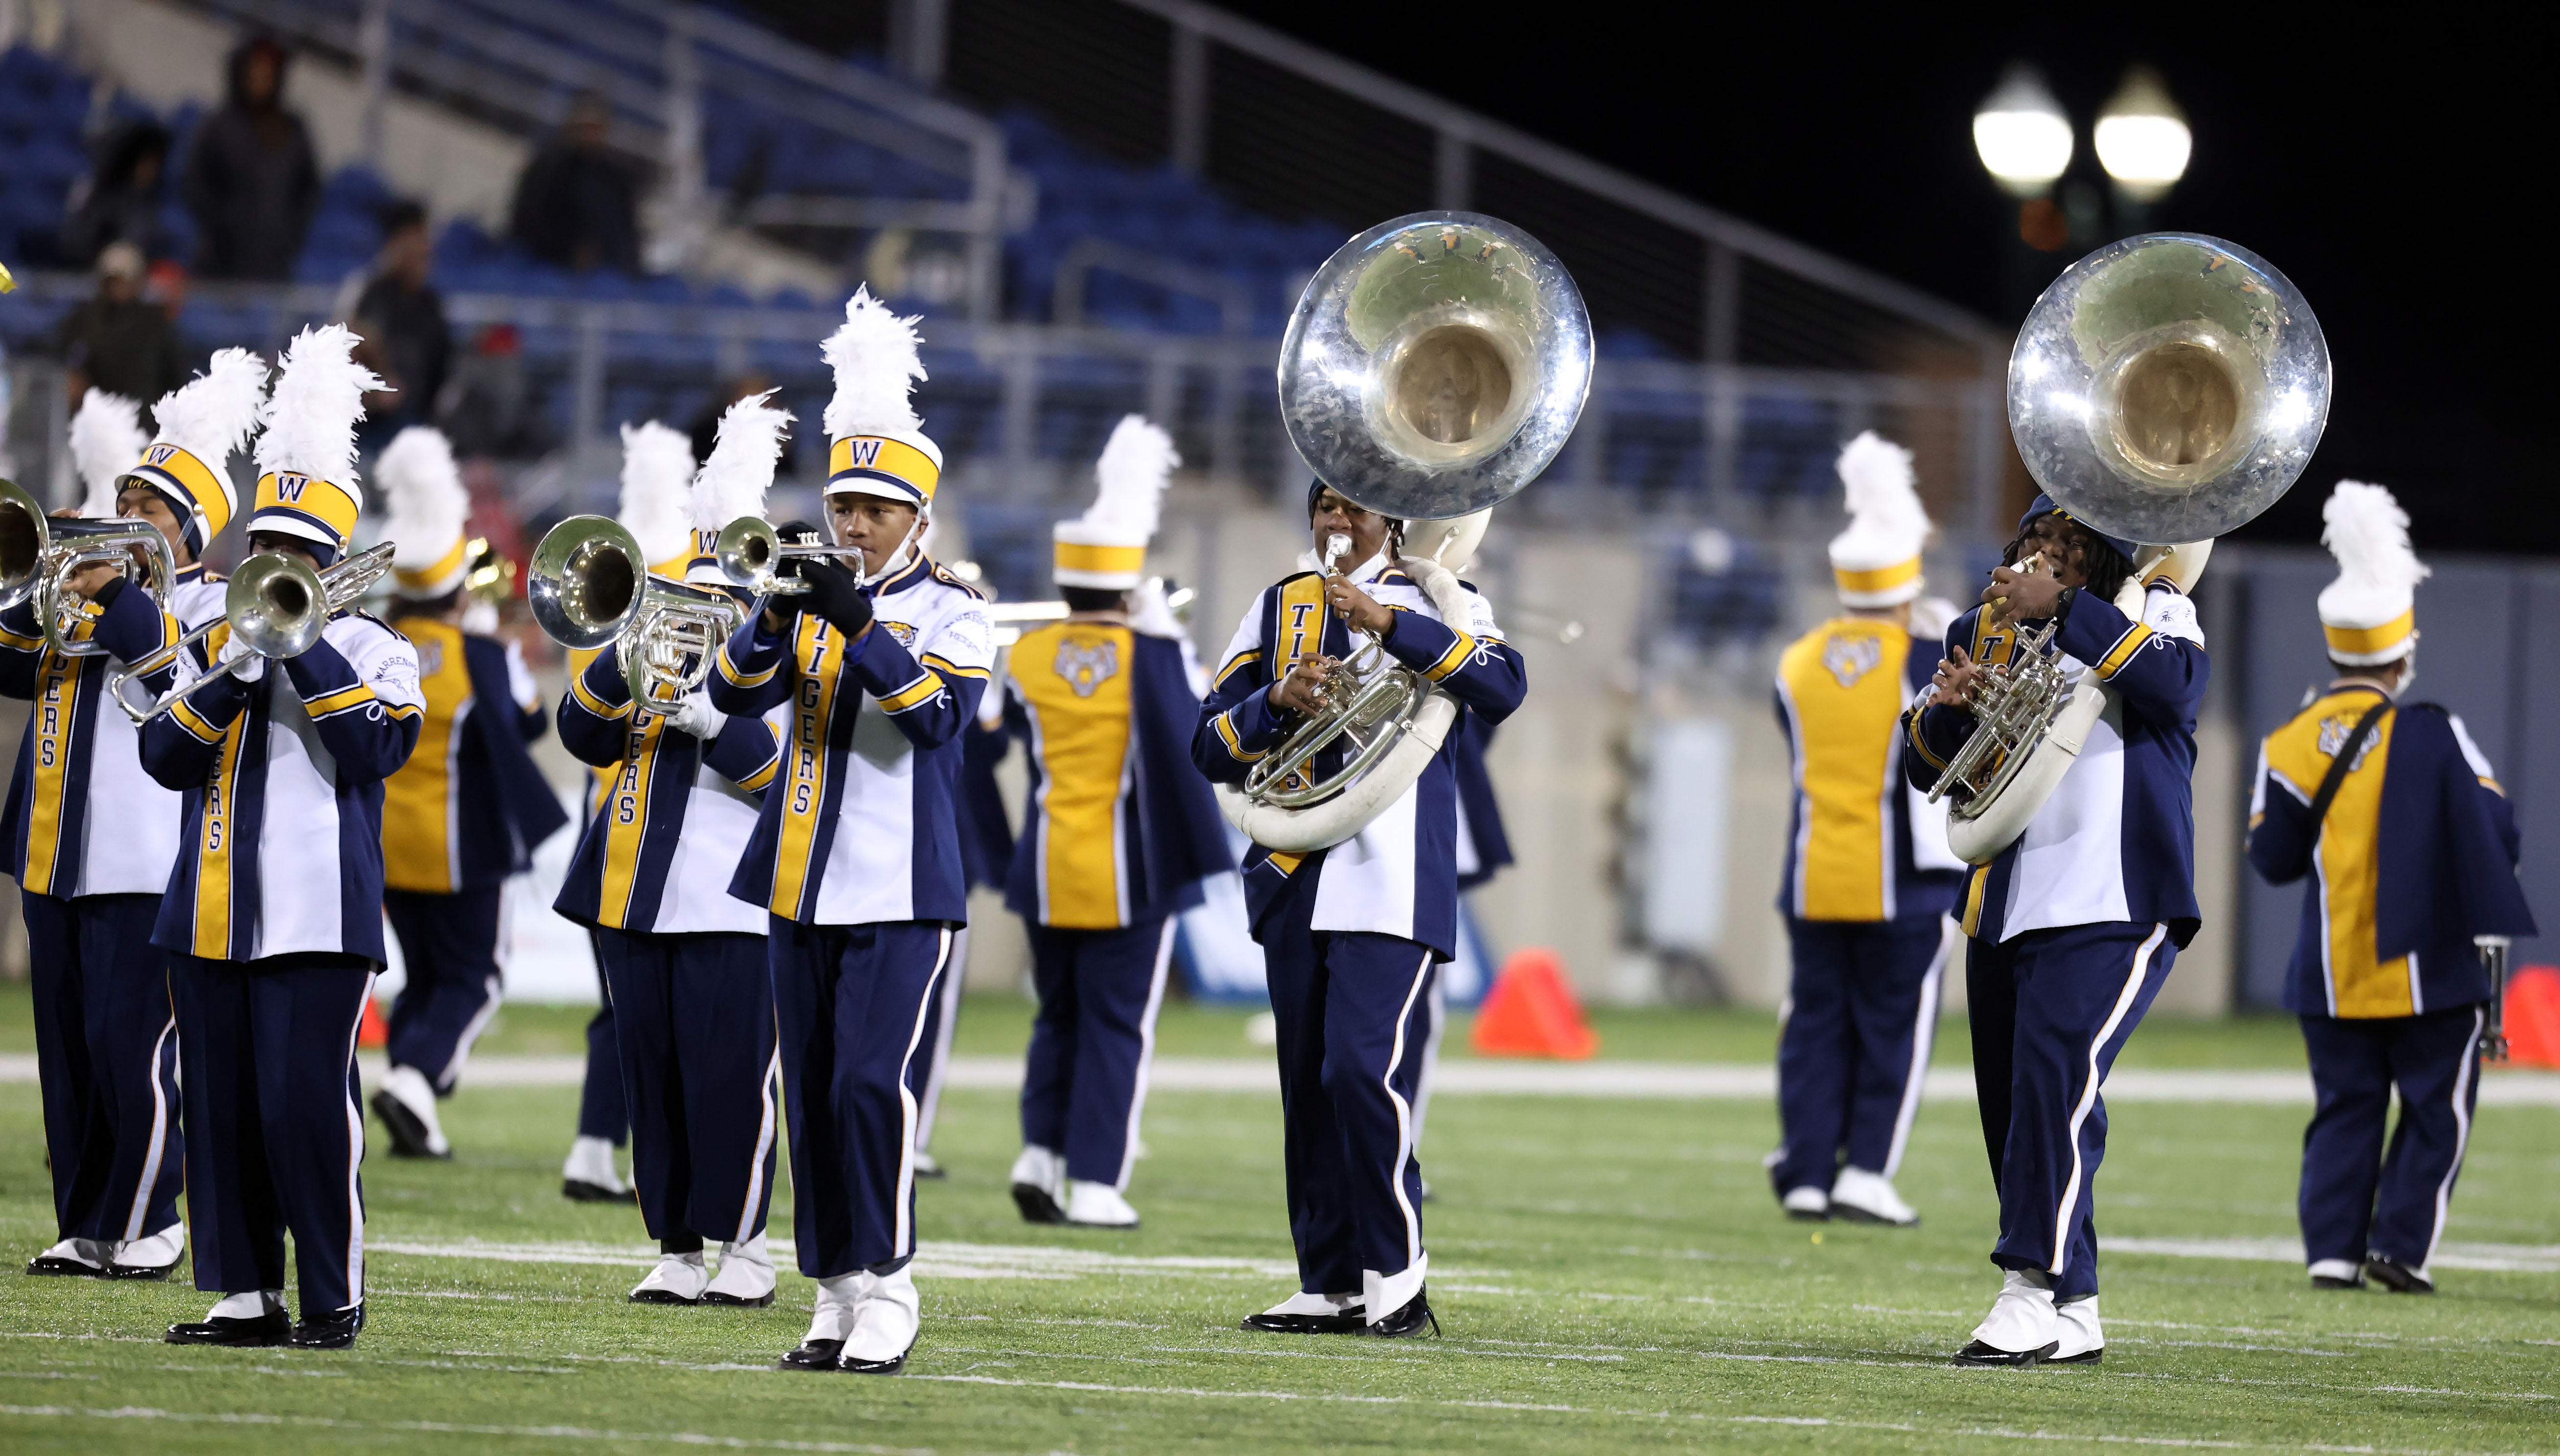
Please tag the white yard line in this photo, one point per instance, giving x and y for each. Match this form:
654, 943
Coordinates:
1666, 1081
934, 1259
455, 1428
2498, 1258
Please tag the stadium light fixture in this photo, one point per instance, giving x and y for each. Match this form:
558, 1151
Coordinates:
2022, 133
2142, 139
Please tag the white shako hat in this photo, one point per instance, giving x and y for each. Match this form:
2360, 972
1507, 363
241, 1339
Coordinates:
875, 444
202, 422
430, 512
733, 481
657, 492
1105, 549
307, 454
2369, 613
1876, 561
106, 438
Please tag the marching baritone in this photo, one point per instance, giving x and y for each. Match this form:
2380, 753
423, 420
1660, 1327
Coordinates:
1351, 933
274, 911
2075, 923
1867, 878
2396, 814
684, 960
1118, 832
467, 809
90, 836
856, 853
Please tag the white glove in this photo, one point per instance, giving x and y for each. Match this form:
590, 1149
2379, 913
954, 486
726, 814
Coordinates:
696, 717
251, 667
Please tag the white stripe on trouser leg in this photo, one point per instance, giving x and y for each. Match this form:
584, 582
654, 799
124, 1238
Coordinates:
2462, 1128
356, 1159
1924, 1039
764, 1144
904, 1241
1404, 1118
938, 1066
2063, 1219
1435, 1011
1146, 1056
141, 1208
496, 992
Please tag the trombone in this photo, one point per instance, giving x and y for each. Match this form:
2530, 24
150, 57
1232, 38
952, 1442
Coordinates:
589, 585
39, 553
276, 606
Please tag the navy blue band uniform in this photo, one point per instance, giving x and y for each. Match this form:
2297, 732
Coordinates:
1866, 884
2076, 925
90, 838
1350, 935
1118, 830
2415, 858
856, 857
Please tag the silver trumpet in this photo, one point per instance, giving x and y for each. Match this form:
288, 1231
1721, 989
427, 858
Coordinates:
39, 553
276, 606
589, 585
750, 552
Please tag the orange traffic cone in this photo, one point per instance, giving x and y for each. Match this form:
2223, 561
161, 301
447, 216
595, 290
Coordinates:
1532, 1012
374, 1031
2533, 1016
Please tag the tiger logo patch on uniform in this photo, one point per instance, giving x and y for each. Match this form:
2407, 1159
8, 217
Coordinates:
1849, 659
905, 632
1087, 666
2332, 736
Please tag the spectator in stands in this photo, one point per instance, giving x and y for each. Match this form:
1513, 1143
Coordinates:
489, 408
401, 319
252, 180
119, 201
576, 204
118, 340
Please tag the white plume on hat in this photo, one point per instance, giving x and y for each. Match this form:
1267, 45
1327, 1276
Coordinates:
733, 481
106, 438
1136, 462
2377, 572
310, 417
873, 354
428, 506
657, 487
1887, 526
212, 415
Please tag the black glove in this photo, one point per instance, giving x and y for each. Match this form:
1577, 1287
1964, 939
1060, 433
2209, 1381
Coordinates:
836, 596
784, 606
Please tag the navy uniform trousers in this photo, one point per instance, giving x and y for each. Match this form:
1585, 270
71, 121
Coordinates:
602, 1109
449, 953
1352, 1019
2050, 1009
276, 1135
1862, 1012
107, 1053
2356, 1198
693, 1018
1084, 1079
849, 1006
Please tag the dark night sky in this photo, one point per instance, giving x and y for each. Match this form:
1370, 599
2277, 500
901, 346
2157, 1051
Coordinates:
2385, 173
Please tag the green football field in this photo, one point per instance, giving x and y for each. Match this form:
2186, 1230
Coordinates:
1610, 1273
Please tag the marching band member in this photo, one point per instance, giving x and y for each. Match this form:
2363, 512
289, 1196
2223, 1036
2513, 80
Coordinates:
275, 912
467, 809
1118, 830
90, 838
684, 961
1351, 933
2076, 923
857, 855
657, 508
2395, 811
1867, 878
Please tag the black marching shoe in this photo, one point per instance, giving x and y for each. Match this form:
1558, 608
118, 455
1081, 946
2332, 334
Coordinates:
1407, 1321
65, 1266
408, 1130
2327, 1282
579, 1190
890, 1367
1350, 1321
2396, 1277
1036, 1205
335, 1330
810, 1356
271, 1328
1976, 1352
